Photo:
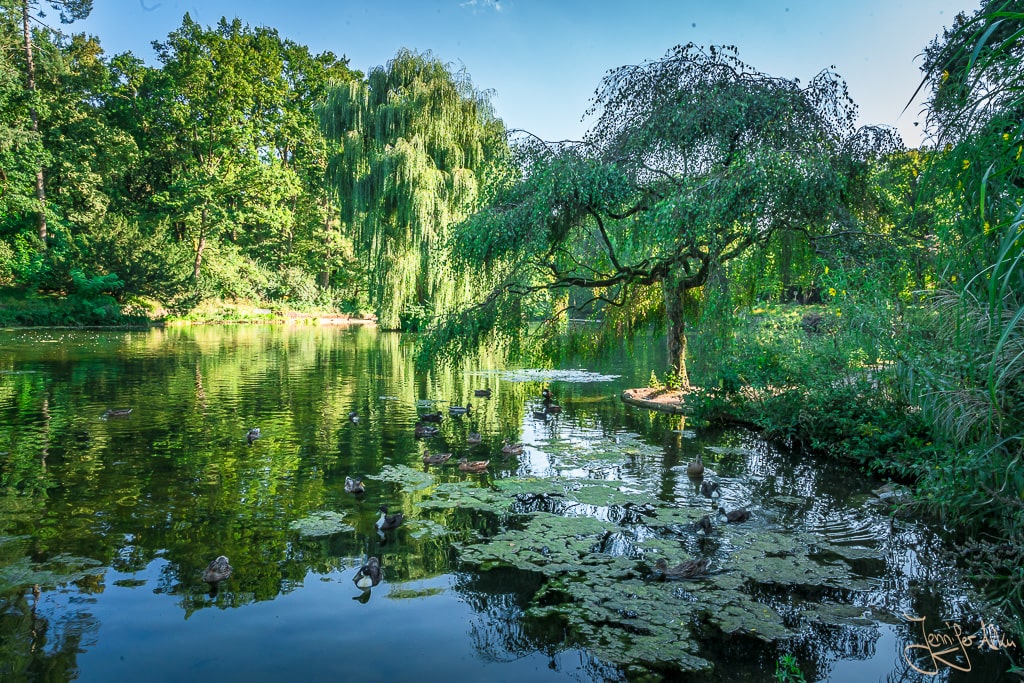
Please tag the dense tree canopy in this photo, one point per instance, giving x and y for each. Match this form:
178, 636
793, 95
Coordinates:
209, 166
418, 145
694, 160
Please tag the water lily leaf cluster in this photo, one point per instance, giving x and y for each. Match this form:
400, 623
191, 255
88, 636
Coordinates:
321, 523
597, 555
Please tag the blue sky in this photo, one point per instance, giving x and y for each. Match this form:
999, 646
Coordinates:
544, 58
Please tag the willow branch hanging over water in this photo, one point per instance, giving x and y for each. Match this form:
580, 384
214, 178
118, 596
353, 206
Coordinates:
419, 147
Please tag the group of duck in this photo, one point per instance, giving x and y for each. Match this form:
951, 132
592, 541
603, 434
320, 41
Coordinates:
467, 465
711, 489
698, 567
424, 430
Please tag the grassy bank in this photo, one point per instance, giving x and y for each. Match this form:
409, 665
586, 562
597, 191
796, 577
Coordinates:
19, 308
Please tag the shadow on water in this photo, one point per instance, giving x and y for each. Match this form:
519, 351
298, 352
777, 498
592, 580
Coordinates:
539, 568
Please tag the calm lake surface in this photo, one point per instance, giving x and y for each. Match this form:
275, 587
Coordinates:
107, 522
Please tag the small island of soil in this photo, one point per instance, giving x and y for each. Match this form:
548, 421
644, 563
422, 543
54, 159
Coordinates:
664, 400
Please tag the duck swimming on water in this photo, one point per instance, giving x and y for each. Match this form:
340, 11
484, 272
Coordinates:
473, 465
368, 575
217, 570
436, 458
387, 521
735, 516
512, 448
696, 468
424, 431
460, 410
685, 570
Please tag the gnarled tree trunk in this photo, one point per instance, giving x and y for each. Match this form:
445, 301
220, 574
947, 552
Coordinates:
675, 295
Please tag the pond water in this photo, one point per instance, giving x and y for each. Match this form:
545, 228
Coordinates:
540, 568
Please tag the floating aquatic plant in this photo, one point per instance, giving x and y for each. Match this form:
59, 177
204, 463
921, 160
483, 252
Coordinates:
426, 528
321, 523
58, 570
410, 480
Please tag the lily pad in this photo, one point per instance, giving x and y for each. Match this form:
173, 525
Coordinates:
730, 450
413, 593
426, 528
411, 480
58, 570
466, 495
321, 523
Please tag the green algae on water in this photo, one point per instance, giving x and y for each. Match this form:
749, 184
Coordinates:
321, 523
410, 480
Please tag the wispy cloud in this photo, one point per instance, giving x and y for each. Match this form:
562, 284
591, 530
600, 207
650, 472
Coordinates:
482, 5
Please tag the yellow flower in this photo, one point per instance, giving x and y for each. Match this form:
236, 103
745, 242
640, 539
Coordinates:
987, 228
945, 76
826, 270
948, 147
1006, 136
953, 279
966, 164
839, 313
831, 291
1019, 148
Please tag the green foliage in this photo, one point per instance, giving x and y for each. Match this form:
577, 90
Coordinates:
787, 670
417, 145
149, 168
817, 386
696, 160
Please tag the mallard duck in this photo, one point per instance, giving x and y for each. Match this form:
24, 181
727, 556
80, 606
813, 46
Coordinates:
486, 393
217, 571
473, 465
474, 438
424, 431
437, 458
512, 448
354, 485
735, 516
368, 575
703, 525
387, 521
117, 412
548, 396
432, 417
353, 417
252, 435
696, 468
460, 410
541, 415
685, 570
709, 489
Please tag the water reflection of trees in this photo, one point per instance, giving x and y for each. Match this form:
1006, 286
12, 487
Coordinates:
38, 644
501, 630
176, 484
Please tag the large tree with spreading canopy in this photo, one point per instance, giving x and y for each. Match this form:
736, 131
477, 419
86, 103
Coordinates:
70, 10
694, 160
419, 144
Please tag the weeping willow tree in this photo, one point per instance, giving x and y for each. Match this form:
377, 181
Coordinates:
419, 146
